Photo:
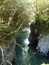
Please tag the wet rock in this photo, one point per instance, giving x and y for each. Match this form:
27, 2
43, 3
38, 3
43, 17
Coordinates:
43, 44
48, 54
39, 41
15, 61
33, 37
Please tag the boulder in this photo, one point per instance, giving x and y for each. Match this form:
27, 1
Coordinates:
43, 44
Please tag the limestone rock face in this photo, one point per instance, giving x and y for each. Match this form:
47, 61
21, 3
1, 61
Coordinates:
43, 44
39, 38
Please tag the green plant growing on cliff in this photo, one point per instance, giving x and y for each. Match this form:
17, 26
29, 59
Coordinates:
41, 21
14, 16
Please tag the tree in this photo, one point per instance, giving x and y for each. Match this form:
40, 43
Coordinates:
42, 16
14, 15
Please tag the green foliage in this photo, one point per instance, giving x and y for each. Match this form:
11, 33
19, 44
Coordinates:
41, 21
14, 15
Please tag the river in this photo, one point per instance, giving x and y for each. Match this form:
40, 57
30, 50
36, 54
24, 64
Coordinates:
26, 54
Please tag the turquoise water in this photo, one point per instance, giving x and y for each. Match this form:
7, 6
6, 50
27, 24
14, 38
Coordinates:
27, 57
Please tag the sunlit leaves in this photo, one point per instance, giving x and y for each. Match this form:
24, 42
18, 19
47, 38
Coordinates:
42, 16
44, 64
14, 14
42, 4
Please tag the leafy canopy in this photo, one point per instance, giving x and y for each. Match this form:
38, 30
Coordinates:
42, 16
14, 16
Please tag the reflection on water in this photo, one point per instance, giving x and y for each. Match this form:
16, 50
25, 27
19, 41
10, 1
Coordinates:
26, 41
27, 57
